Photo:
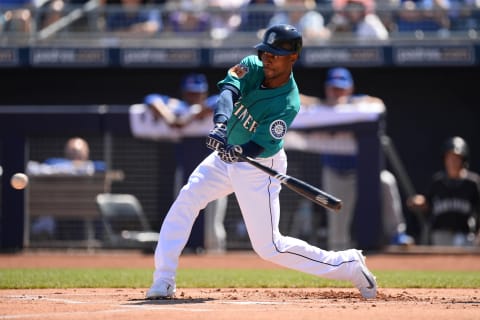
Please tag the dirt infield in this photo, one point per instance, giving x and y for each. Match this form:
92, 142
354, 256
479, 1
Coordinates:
251, 304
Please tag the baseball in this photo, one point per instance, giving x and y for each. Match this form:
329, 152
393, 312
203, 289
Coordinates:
19, 181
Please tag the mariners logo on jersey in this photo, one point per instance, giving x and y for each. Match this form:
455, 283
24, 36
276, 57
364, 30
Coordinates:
278, 129
238, 71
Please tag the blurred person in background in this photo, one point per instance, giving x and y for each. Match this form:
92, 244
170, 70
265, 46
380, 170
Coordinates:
357, 18
339, 171
225, 17
188, 16
75, 161
17, 16
302, 15
165, 116
131, 16
425, 16
194, 104
256, 15
464, 15
452, 202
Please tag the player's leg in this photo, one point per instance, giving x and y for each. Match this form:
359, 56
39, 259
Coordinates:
343, 186
208, 182
215, 234
258, 197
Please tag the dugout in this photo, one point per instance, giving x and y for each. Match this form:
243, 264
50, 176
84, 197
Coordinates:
425, 105
31, 132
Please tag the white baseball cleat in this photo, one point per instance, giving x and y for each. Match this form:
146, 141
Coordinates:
364, 280
161, 290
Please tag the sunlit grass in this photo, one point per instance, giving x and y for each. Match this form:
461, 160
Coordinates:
222, 278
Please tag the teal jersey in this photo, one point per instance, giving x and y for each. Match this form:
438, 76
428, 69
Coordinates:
261, 115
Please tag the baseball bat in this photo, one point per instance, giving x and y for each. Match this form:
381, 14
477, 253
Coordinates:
301, 187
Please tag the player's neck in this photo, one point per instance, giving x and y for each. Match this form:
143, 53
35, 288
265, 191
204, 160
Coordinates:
273, 83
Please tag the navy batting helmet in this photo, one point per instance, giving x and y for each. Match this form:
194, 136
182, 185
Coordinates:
458, 146
281, 40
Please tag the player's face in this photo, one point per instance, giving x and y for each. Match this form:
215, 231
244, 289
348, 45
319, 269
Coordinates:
453, 164
194, 97
336, 95
277, 69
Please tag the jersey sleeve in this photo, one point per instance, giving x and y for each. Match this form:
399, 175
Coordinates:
241, 74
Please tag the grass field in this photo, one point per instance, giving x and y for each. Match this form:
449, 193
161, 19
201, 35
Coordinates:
30, 278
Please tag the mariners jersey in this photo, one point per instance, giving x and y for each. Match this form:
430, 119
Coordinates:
453, 202
261, 115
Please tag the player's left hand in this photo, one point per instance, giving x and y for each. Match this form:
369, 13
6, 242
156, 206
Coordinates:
217, 137
230, 153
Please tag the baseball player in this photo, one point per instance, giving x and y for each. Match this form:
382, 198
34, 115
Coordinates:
452, 203
258, 101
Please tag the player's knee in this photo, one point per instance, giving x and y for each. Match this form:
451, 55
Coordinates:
266, 251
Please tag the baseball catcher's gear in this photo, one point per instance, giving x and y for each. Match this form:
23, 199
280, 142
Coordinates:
458, 146
281, 40
217, 137
230, 153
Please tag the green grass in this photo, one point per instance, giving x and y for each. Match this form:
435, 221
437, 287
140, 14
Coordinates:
223, 278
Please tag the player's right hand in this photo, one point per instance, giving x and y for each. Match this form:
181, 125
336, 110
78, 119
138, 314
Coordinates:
217, 137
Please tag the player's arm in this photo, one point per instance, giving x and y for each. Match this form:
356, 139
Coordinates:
308, 101
195, 112
159, 109
228, 96
217, 137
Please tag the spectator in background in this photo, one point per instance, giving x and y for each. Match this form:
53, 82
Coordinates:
339, 176
162, 116
76, 161
452, 202
195, 104
188, 16
256, 15
423, 15
302, 15
357, 18
18, 15
131, 17
225, 17
464, 15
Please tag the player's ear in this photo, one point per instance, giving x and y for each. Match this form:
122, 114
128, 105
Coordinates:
293, 57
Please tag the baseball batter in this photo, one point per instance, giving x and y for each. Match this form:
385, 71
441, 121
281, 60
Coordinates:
258, 101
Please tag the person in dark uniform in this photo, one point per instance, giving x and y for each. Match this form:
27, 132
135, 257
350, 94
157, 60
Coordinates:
452, 203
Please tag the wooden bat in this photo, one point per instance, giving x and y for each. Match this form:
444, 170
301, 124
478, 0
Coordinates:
301, 187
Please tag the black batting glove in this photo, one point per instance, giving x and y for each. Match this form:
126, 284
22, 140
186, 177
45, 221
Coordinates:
230, 153
217, 137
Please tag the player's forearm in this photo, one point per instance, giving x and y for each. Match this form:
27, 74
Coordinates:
224, 106
163, 111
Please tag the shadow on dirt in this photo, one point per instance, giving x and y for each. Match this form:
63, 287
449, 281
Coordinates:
174, 301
